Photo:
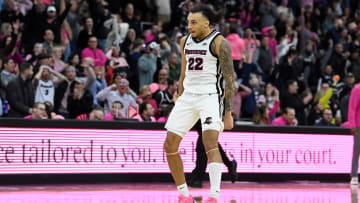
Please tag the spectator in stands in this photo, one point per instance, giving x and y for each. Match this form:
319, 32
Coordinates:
292, 99
128, 44
10, 46
80, 101
73, 18
115, 113
99, 84
74, 60
267, 107
146, 96
10, 14
135, 54
354, 124
38, 112
93, 52
48, 43
165, 98
174, 67
165, 49
327, 76
315, 113
33, 56
248, 16
97, 114
251, 43
252, 100
99, 14
117, 64
54, 21
324, 95
287, 118
59, 65
161, 82
263, 58
117, 92
337, 60
147, 64
7, 75
165, 113
246, 68
354, 65
20, 93
241, 94
6, 30
117, 34
349, 84
268, 13
85, 34
146, 113
128, 15
43, 59
44, 84
237, 45
62, 92
327, 118
284, 9
288, 67
261, 115
50, 112
271, 33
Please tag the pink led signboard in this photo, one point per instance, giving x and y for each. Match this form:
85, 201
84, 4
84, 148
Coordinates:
62, 151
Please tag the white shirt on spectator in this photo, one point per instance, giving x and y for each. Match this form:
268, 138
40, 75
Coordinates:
110, 96
45, 92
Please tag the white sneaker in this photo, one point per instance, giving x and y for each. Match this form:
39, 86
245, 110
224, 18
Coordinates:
354, 181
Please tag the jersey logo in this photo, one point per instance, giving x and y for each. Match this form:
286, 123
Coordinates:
204, 44
200, 52
208, 120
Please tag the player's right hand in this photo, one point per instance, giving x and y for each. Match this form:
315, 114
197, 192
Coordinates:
228, 121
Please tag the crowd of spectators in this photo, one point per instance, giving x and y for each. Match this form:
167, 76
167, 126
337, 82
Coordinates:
295, 61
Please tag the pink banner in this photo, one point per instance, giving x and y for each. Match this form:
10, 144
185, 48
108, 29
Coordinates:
49, 150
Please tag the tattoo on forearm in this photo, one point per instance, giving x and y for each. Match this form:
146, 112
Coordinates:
227, 67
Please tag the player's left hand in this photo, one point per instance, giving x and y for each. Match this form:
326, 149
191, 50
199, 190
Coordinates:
228, 121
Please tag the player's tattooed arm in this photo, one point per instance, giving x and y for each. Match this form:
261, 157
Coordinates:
227, 68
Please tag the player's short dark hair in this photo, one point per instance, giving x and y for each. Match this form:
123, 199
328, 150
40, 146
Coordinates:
143, 107
205, 10
24, 66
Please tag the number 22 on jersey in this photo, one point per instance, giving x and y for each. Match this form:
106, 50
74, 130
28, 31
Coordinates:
195, 64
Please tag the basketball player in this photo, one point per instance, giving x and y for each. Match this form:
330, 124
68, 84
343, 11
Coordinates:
206, 63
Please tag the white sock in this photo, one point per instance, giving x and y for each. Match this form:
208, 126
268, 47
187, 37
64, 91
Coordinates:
215, 179
183, 190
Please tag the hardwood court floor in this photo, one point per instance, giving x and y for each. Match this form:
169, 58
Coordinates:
240, 192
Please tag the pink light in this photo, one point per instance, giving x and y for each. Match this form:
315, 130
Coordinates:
26, 151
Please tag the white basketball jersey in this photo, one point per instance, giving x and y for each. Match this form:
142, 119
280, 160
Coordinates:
203, 74
45, 92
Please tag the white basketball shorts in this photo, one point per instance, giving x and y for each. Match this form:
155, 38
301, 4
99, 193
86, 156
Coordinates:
190, 107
